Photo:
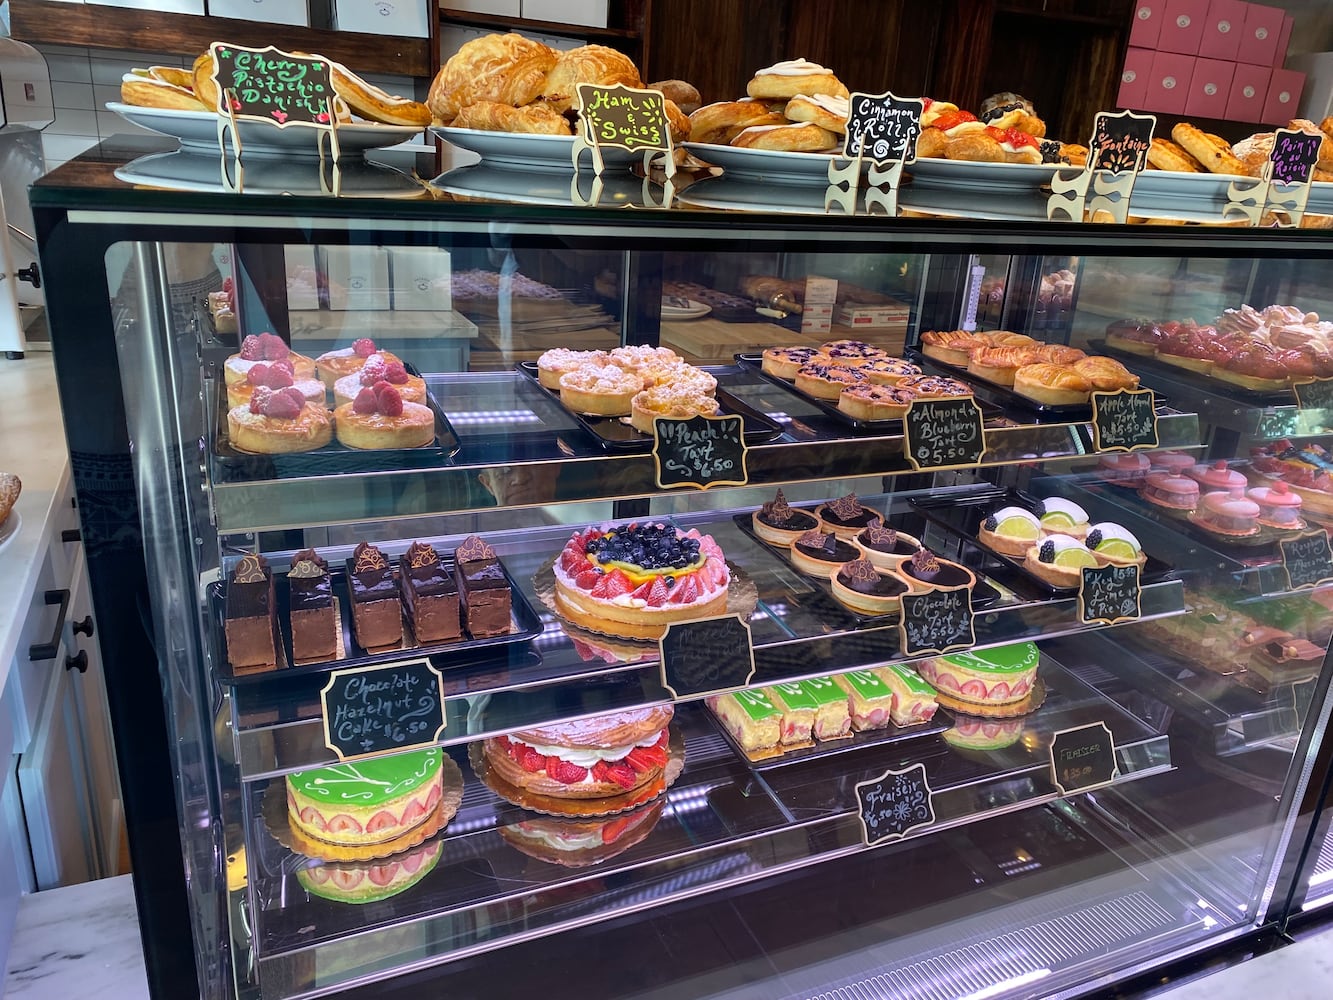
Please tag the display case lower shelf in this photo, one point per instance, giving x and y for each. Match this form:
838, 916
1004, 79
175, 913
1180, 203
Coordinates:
721, 824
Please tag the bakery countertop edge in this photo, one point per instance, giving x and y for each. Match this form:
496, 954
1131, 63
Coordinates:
32, 445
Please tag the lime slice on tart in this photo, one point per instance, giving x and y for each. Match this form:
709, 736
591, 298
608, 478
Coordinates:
1057, 519
1074, 558
1017, 527
1118, 548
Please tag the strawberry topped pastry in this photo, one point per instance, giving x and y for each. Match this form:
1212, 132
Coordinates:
334, 365
367, 801
274, 375
633, 580
380, 418
278, 421
581, 842
1194, 347
265, 347
598, 758
376, 369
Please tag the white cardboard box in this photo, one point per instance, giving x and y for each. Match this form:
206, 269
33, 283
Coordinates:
591, 12
355, 278
420, 278
509, 8
302, 276
171, 6
407, 18
272, 11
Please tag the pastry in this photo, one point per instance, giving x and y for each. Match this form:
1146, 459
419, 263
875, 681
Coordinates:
533, 119
1001, 676
869, 699
430, 595
643, 361
1010, 110
1228, 513
603, 391
1166, 155
333, 365
10, 488
587, 64
821, 554
581, 843
560, 361
720, 123
953, 347
1191, 347
684, 95
1279, 507
1219, 476
377, 613
832, 719
366, 801
274, 375
933, 386
1173, 463
596, 758
633, 580
1134, 336
785, 362
983, 735
678, 375
867, 590
754, 721
249, 616
784, 80
311, 611
778, 293
1125, 468
1114, 545
885, 547
1017, 145
1280, 658
797, 709
1010, 530
412, 388
361, 883
779, 524
265, 347
826, 381
507, 69
484, 596
222, 309
1212, 153
1059, 560
853, 353
1106, 374
791, 137
146, 91
929, 570
379, 418
828, 111
369, 102
277, 422
1172, 492
846, 516
1052, 385
913, 699
888, 371
1063, 517
668, 400
998, 364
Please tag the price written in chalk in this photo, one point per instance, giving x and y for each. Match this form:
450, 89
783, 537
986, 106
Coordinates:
1316, 394
1124, 420
894, 804
700, 452
273, 86
1109, 594
936, 621
1083, 758
624, 118
396, 706
1307, 560
706, 656
944, 433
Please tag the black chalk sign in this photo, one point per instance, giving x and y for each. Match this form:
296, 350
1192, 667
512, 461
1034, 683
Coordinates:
1124, 420
1083, 759
944, 433
1317, 394
1294, 155
1307, 560
1120, 142
882, 127
624, 118
273, 86
700, 452
894, 804
706, 656
1110, 594
936, 621
397, 706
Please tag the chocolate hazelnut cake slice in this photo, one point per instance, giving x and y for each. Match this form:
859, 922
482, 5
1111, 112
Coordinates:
430, 595
312, 614
483, 589
249, 616
377, 614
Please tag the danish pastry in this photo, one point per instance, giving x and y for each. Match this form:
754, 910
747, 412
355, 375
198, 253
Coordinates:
586, 64
507, 69
953, 347
998, 364
1166, 155
1010, 110
1213, 153
720, 123
201, 77
375, 105
491, 116
10, 488
1106, 374
826, 111
1054, 385
793, 137
784, 80
932, 110
677, 120
151, 92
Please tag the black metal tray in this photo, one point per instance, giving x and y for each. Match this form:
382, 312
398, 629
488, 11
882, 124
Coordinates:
1205, 383
1002, 395
524, 623
616, 434
983, 594
334, 458
963, 516
755, 362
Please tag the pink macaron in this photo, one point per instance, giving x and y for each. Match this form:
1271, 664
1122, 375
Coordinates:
1172, 492
1228, 512
1218, 477
1278, 506
1124, 468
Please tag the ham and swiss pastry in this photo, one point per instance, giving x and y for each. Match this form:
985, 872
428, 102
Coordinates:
534, 119
586, 64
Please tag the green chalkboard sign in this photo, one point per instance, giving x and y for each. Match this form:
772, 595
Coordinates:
272, 86
624, 118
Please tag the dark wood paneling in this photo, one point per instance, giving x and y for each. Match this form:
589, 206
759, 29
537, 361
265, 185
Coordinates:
963, 51
873, 45
717, 44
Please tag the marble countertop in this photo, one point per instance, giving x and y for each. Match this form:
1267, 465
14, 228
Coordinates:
32, 444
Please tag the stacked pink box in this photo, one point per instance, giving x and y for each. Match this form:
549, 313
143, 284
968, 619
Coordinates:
1211, 59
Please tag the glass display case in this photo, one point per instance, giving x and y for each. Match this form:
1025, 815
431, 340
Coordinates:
739, 856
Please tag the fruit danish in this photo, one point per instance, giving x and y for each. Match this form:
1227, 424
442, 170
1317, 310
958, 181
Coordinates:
1054, 385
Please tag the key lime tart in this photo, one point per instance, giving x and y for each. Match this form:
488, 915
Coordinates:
1114, 545
1010, 531
1059, 560
999, 682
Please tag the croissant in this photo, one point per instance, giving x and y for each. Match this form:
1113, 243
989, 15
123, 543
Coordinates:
507, 69
586, 64
1054, 385
489, 116
1106, 374
677, 121
10, 488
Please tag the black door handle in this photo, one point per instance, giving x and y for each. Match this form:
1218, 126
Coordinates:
71, 535
79, 663
39, 651
84, 627
30, 273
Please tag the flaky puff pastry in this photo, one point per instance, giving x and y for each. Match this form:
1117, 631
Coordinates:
375, 105
506, 69
587, 64
147, 92
677, 120
1212, 152
1106, 374
1021, 119
721, 122
488, 116
796, 137
1166, 155
1055, 385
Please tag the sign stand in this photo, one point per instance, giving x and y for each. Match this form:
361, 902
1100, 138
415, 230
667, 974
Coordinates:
1283, 187
1117, 152
1124, 420
894, 804
387, 708
883, 129
621, 117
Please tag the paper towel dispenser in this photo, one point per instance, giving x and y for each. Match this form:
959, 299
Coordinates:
25, 87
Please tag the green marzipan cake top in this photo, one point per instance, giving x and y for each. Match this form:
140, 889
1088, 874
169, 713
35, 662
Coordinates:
368, 782
795, 697
914, 684
824, 691
755, 705
1017, 658
867, 685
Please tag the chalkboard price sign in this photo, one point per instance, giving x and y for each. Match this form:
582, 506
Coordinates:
1307, 560
1124, 420
894, 804
272, 86
882, 128
1120, 142
700, 452
396, 706
706, 656
944, 433
1083, 759
1316, 394
936, 621
1109, 594
1294, 156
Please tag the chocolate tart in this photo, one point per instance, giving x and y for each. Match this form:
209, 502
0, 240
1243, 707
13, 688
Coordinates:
821, 556
779, 524
883, 553
865, 589
846, 517
925, 570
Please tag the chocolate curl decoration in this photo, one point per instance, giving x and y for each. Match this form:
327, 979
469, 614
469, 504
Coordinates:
814, 539
925, 563
880, 536
846, 508
307, 565
777, 510
862, 570
473, 549
421, 555
368, 559
251, 569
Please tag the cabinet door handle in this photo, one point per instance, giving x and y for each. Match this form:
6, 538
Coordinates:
71, 535
39, 651
79, 663
84, 627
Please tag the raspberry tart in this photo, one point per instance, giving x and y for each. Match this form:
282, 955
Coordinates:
334, 365
633, 580
379, 418
274, 375
278, 422
265, 347
411, 387
366, 801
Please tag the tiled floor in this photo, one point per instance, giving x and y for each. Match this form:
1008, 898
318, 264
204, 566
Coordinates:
1300, 971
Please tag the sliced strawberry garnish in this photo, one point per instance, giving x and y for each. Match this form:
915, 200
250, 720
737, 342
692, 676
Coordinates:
657, 593
686, 590
363, 348
602, 588
577, 543
664, 739
646, 758
342, 823
564, 772
587, 579
365, 402
622, 774
613, 829
599, 771
642, 591
382, 875
572, 562
950, 119
530, 760
618, 583
312, 818
381, 821
251, 350
387, 400
413, 814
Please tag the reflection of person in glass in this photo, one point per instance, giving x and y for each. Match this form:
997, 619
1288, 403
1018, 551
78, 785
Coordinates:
521, 485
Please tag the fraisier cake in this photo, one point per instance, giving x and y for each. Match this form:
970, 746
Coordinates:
366, 801
755, 722
999, 677
913, 699
633, 580
370, 882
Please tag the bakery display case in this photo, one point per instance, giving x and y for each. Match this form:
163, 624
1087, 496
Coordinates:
390, 706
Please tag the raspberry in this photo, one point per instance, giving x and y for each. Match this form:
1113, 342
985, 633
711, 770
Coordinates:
272, 348
363, 348
564, 772
259, 399
292, 393
256, 374
365, 402
395, 372
284, 364
282, 406
390, 403
373, 371
228, 284
251, 349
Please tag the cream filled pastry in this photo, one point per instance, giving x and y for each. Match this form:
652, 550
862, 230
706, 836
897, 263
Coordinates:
784, 80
